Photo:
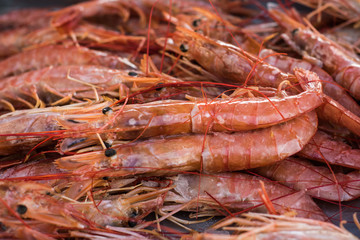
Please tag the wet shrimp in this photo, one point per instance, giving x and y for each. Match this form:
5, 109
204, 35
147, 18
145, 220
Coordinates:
237, 191
317, 181
344, 68
323, 147
219, 152
56, 55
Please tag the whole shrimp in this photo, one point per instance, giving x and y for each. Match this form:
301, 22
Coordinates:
58, 85
317, 181
179, 117
344, 68
55, 55
226, 61
237, 191
323, 147
268, 226
219, 152
287, 64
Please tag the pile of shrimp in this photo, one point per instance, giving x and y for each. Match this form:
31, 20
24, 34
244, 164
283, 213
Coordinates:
161, 119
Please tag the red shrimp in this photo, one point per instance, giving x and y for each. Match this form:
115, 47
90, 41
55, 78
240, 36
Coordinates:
322, 147
68, 83
219, 152
287, 64
238, 191
55, 55
22, 130
179, 117
342, 66
30, 17
267, 226
226, 61
317, 181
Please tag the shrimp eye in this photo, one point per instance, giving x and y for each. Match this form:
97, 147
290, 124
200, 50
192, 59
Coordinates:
105, 178
2, 227
184, 48
196, 22
132, 222
21, 209
293, 32
110, 152
107, 145
132, 74
159, 87
105, 110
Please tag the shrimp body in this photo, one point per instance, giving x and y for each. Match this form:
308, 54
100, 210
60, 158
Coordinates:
337, 61
325, 148
237, 191
316, 180
73, 82
287, 64
55, 55
179, 117
227, 61
219, 152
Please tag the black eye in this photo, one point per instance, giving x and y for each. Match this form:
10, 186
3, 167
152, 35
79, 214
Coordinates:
132, 74
196, 22
184, 48
293, 32
2, 227
21, 209
105, 178
105, 110
107, 145
110, 152
159, 87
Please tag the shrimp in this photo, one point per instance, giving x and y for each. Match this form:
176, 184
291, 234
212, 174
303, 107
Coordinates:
266, 226
55, 55
69, 83
22, 130
237, 191
348, 10
153, 119
287, 64
226, 61
337, 61
219, 152
317, 181
35, 17
65, 19
323, 147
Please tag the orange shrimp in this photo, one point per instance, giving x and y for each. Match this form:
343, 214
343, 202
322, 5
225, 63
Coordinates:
52, 85
55, 55
237, 191
266, 226
179, 117
322, 147
317, 181
220, 151
287, 64
226, 61
342, 66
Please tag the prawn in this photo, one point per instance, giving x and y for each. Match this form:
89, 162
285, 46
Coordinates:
268, 226
55, 55
287, 64
344, 68
237, 191
69, 83
226, 61
219, 152
179, 117
317, 181
322, 147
